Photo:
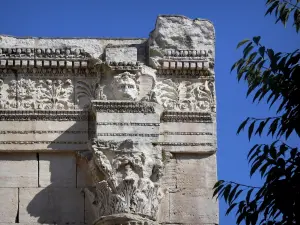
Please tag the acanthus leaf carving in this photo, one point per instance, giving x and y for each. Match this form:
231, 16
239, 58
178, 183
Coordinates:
185, 95
55, 94
131, 178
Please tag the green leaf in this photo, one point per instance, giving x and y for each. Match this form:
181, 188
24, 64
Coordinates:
249, 195
256, 39
270, 53
272, 7
230, 208
262, 50
273, 153
242, 43
226, 192
250, 130
242, 126
232, 193
260, 128
294, 152
252, 149
255, 167
218, 183
247, 50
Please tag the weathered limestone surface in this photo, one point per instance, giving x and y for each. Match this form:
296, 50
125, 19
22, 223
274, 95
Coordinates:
9, 205
51, 205
57, 170
131, 122
18, 170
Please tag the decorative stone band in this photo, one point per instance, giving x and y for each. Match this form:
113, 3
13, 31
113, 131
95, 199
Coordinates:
127, 135
40, 142
186, 117
185, 133
184, 73
38, 57
151, 135
43, 53
127, 124
185, 65
122, 107
183, 144
54, 63
45, 115
49, 72
42, 132
124, 66
186, 53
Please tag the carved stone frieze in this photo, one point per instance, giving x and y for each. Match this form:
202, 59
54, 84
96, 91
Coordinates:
39, 94
131, 178
182, 95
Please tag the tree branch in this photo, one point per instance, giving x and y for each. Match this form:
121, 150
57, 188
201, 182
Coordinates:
288, 2
243, 185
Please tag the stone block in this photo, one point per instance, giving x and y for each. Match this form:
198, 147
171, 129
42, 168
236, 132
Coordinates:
57, 170
43, 135
164, 209
193, 208
88, 212
201, 170
84, 178
51, 205
121, 54
9, 205
18, 170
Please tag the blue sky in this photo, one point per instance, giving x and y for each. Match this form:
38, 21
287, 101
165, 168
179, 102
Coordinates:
234, 21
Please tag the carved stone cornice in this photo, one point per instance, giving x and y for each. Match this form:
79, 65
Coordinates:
43, 57
124, 66
186, 117
44, 115
184, 73
50, 72
122, 107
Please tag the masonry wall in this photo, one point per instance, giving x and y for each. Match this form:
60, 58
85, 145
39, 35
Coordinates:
43, 188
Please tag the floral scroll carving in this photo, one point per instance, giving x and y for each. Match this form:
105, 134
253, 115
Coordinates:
55, 94
185, 95
38, 94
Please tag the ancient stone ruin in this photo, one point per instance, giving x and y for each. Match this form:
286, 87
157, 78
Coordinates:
109, 131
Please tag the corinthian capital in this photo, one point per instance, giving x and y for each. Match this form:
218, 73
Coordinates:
131, 174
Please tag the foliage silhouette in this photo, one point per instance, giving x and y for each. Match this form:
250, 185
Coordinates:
273, 78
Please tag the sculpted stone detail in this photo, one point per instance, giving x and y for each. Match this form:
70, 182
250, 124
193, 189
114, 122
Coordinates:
38, 94
187, 117
123, 107
55, 94
33, 115
185, 95
92, 90
6, 101
24, 91
125, 86
131, 178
